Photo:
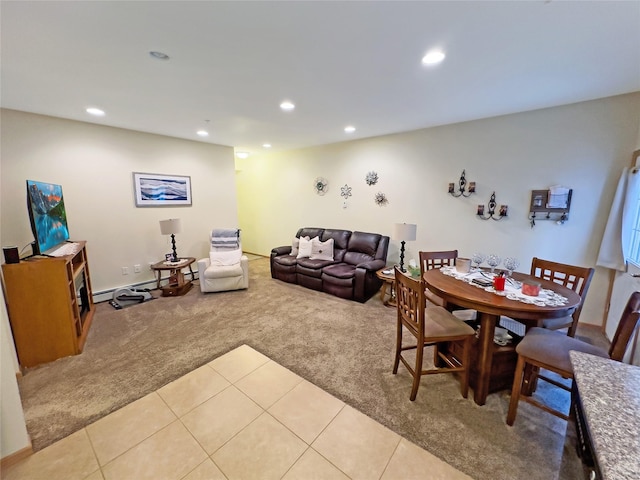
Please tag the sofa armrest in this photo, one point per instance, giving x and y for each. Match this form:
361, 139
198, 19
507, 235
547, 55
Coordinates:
372, 265
284, 250
244, 263
203, 264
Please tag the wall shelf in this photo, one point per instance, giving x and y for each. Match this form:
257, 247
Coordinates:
538, 209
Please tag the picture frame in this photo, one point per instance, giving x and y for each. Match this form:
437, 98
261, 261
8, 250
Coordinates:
160, 190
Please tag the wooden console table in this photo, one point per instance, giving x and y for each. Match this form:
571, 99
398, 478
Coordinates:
50, 305
177, 284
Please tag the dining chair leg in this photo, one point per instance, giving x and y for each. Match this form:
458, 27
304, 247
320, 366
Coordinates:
515, 391
398, 347
530, 380
466, 361
417, 371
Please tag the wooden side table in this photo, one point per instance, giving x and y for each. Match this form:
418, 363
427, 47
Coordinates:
388, 281
177, 283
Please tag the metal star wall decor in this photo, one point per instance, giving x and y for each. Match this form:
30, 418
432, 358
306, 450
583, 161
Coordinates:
371, 178
345, 191
381, 199
321, 185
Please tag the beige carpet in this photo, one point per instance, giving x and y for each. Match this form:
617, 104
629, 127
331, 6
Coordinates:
344, 347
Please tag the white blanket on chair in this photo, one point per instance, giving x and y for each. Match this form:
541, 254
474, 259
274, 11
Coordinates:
225, 238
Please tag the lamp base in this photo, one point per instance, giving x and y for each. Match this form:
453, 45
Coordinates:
173, 247
402, 257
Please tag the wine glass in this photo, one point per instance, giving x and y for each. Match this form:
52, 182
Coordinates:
478, 258
511, 264
493, 261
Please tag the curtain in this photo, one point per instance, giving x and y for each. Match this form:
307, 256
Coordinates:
616, 241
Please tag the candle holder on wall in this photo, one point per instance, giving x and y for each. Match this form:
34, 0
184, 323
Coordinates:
491, 211
462, 184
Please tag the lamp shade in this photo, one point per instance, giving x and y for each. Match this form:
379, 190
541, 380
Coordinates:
404, 231
172, 225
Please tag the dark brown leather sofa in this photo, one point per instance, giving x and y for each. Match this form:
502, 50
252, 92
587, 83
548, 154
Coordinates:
352, 272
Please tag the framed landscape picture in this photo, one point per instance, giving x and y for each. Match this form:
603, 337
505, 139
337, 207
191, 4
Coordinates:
158, 190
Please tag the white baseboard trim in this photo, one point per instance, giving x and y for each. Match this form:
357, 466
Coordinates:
105, 295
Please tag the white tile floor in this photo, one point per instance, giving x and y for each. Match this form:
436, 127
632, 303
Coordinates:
242, 416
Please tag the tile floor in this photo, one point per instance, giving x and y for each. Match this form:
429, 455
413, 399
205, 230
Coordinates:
242, 416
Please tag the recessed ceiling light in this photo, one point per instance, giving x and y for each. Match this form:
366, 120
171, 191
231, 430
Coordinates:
159, 55
242, 154
266, 145
350, 129
433, 57
95, 111
287, 105
203, 133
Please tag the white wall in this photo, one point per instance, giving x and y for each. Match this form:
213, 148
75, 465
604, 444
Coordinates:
583, 146
94, 165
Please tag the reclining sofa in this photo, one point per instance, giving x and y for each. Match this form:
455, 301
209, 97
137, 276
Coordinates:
349, 272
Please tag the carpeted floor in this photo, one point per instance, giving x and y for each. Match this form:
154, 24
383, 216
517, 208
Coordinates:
344, 347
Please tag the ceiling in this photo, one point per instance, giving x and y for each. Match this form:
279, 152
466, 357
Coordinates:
342, 63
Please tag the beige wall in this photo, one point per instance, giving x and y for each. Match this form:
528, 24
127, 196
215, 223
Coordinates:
583, 146
94, 165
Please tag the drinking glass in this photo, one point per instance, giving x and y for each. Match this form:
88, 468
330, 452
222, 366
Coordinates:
478, 258
493, 261
511, 264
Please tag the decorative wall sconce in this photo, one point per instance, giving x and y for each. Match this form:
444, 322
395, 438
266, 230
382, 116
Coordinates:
462, 184
491, 213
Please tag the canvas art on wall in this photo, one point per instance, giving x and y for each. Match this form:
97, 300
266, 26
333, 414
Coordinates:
47, 215
157, 190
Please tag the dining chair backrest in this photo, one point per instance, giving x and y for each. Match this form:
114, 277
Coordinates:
628, 325
431, 260
576, 278
410, 301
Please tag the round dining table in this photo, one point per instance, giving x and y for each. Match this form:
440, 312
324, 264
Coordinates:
490, 306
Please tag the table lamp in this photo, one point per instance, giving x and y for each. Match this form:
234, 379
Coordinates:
405, 232
171, 227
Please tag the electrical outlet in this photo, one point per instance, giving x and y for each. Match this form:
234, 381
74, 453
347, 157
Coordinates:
136, 268
125, 270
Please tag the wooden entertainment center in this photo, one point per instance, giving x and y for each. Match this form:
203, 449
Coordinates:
50, 304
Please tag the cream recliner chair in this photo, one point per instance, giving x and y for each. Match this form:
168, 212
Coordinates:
226, 268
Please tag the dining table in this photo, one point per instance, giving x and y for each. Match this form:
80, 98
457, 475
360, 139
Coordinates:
457, 290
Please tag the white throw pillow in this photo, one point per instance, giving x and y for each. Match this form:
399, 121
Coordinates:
222, 258
304, 250
321, 250
295, 245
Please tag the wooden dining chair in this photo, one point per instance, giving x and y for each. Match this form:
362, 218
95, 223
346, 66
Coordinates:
429, 326
576, 278
542, 348
430, 260
444, 258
